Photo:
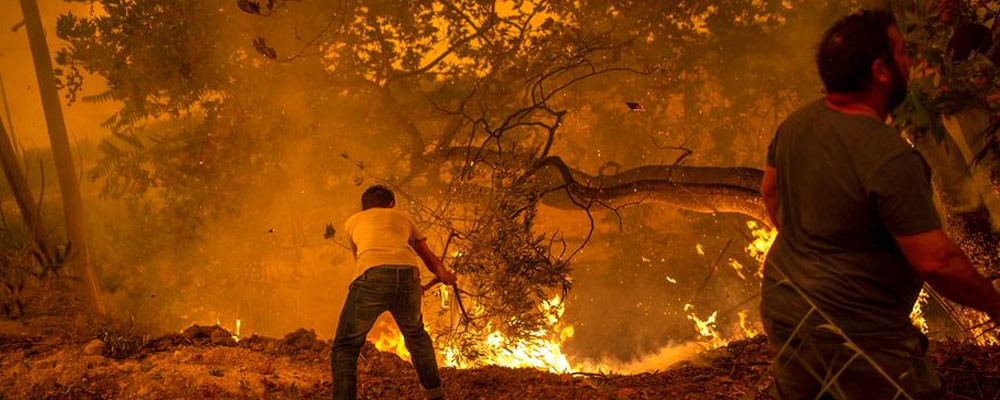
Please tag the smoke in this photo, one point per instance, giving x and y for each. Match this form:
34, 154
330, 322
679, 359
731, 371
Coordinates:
659, 360
221, 213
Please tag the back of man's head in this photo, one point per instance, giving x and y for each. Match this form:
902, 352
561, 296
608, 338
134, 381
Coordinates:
377, 196
850, 46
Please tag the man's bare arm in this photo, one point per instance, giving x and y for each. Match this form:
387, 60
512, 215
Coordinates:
432, 262
949, 271
769, 192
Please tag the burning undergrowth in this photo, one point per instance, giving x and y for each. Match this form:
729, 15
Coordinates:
515, 278
508, 309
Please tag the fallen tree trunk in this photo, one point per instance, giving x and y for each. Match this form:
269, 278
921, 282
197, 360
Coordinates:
700, 189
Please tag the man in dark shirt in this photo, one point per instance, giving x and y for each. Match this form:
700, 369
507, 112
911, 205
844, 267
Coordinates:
858, 232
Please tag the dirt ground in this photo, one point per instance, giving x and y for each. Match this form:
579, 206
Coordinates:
61, 358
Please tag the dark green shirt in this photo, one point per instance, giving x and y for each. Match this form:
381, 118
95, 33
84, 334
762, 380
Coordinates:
846, 184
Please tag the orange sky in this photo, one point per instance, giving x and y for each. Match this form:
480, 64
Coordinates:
82, 119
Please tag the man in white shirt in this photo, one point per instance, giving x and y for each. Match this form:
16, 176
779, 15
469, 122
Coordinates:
387, 247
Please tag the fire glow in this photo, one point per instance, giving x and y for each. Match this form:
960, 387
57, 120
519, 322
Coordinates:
544, 348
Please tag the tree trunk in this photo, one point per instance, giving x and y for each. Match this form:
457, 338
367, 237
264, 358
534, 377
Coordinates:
967, 128
68, 185
700, 189
22, 194
965, 212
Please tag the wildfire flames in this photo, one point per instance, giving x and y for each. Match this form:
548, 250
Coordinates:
917, 314
763, 238
543, 350
706, 327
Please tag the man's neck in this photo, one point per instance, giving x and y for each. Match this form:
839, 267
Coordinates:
859, 103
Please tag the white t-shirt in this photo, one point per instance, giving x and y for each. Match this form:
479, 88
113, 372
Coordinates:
382, 236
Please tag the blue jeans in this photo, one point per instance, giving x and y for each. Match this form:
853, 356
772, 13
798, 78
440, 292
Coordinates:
392, 288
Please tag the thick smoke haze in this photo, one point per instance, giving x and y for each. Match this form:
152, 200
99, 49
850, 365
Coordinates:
215, 212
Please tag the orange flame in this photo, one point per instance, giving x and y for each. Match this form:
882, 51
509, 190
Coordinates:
706, 328
393, 342
543, 348
763, 239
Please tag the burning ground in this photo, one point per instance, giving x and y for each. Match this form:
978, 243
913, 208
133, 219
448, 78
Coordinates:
59, 357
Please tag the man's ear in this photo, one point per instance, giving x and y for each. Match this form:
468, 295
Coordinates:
880, 72
392, 204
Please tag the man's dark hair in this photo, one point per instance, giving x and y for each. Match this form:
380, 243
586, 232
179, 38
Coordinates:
377, 196
850, 46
